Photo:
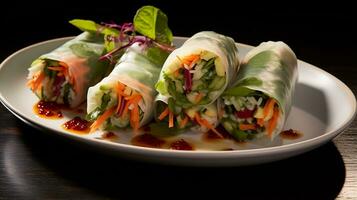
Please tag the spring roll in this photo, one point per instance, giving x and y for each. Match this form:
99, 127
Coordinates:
261, 98
126, 96
197, 118
199, 71
65, 74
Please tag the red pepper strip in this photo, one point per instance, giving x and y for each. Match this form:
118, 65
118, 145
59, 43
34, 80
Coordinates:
188, 80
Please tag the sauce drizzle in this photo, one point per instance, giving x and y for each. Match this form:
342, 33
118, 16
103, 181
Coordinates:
290, 134
147, 140
48, 110
181, 145
77, 125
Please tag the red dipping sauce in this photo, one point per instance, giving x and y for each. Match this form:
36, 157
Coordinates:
181, 145
48, 110
77, 125
147, 140
290, 134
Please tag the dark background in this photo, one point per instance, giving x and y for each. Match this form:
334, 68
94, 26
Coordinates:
44, 166
318, 32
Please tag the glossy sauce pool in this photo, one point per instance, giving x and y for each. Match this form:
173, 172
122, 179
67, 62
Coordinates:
48, 110
77, 125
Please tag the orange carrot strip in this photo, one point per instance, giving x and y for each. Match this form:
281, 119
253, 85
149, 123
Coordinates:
260, 122
245, 127
126, 108
164, 114
29, 83
183, 122
130, 101
273, 121
63, 64
134, 117
194, 61
189, 59
101, 119
171, 119
269, 105
38, 80
56, 68
134, 96
205, 123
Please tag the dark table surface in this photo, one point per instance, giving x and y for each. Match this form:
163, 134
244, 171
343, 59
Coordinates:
38, 165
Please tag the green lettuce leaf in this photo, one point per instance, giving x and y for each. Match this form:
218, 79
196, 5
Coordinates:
152, 22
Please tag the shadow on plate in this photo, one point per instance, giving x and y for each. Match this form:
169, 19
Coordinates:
48, 166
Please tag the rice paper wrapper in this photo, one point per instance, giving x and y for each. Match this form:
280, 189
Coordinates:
81, 55
271, 68
223, 47
138, 71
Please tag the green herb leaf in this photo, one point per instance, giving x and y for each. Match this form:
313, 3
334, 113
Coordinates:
152, 22
92, 27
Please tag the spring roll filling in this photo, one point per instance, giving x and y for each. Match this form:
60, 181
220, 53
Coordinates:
124, 104
195, 80
50, 81
245, 117
199, 119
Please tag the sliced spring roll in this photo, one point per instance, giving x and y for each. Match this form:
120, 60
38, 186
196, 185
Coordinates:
126, 96
199, 71
197, 118
64, 75
261, 98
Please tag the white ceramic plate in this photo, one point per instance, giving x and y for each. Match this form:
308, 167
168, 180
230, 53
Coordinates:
323, 107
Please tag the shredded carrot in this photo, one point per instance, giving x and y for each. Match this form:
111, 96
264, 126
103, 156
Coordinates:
245, 127
183, 122
134, 117
269, 106
199, 97
120, 86
36, 81
133, 97
205, 123
63, 64
59, 68
273, 121
164, 114
101, 119
189, 60
171, 119
131, 101
194, 62
260, 122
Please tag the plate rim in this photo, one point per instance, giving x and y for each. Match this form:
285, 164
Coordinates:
321, 139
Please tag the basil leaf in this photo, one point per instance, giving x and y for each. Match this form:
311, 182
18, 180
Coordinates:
156, 55
92, 27
152, 22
